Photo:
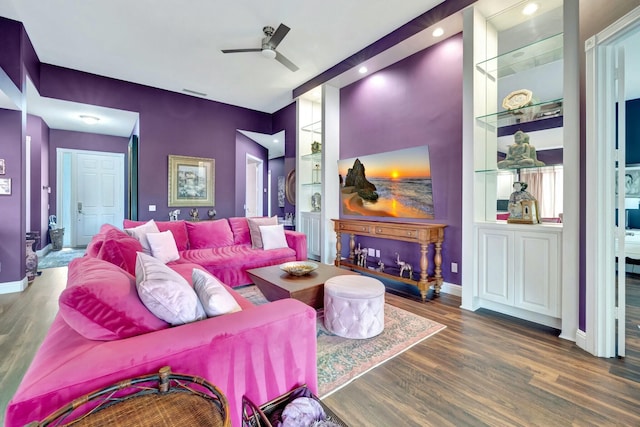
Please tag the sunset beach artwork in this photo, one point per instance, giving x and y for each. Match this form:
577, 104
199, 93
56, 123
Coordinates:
391, 184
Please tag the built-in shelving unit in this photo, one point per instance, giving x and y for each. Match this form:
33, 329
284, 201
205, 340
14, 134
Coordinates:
517, 268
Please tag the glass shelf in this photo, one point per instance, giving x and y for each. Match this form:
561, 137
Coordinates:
313, 156
530, 113
311, 184
530, 56
315, 127
515, 171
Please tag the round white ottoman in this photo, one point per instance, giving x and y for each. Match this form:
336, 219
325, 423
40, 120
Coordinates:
354, 306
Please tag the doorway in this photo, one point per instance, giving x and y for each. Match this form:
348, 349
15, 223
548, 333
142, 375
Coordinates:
612, 83
254, 198
90, 193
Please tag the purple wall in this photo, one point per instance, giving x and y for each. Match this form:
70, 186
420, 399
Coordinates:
12, 207
38, 130
244, 146
170, 123
285, 119
408, 104
276, 166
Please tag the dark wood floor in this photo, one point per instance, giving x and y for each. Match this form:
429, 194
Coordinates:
484, 369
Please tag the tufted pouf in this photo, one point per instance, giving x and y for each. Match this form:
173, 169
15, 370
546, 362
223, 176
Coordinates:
354, 306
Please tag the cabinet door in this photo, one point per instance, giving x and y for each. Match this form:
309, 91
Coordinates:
310, 225
495, 265
537, 274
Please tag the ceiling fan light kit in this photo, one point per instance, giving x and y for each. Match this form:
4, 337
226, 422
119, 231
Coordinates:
269, 44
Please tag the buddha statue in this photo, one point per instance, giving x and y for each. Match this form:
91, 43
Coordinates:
521, 154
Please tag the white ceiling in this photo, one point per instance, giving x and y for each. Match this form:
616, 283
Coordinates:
167, 45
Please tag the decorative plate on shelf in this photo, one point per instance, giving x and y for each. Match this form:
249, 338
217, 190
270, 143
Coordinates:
517, 99
298, 268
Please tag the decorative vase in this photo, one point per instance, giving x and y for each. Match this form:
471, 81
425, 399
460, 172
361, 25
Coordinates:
31, 262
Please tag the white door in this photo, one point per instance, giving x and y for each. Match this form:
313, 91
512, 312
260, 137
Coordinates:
253, 197
96, 193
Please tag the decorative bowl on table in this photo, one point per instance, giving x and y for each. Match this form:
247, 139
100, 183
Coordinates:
298, 268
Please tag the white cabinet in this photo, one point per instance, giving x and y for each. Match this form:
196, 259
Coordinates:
310, 225
519, 271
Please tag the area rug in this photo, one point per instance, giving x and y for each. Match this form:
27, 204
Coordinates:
60, 258
342, 360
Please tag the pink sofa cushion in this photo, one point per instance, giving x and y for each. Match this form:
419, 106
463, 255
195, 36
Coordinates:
101, 302
120, 249
209, 234
96, 242
178, 228
240, 228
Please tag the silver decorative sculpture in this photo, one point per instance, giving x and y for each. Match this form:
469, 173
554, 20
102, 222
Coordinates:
404, 266
173, 215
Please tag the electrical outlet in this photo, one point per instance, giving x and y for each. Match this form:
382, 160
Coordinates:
371, 252
377, 253
454, 267
152, 208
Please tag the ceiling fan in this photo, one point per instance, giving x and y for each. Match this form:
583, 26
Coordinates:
269, 43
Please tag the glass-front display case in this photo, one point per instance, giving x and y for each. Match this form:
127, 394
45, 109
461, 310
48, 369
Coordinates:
519, 110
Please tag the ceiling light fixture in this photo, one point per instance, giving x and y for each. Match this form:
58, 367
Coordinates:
530, 9
437, 32
275, 140
90, 120
269, 53
362, 69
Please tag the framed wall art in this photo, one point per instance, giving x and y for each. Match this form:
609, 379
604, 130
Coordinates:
5, 186
631, 181
2, 167
281, 191
191, 181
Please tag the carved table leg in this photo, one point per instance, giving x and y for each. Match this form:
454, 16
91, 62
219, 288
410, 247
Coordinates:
437, 260
352, 246
338, 249
423, 283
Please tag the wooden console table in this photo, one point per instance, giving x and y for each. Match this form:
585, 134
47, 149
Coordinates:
422, 233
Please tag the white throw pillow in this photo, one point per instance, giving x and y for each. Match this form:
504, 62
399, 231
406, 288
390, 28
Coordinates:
273, 237
215, 299
163, 246
140, 232
254, 229
165, 292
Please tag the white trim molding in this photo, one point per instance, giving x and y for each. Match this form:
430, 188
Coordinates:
12, 287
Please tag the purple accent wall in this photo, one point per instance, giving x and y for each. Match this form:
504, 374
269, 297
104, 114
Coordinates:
38, 130
408, 104
170, 123
244, 146
12, 207
276, 166
285, 119
11, 60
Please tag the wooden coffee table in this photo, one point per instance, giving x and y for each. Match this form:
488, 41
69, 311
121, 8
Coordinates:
275, 284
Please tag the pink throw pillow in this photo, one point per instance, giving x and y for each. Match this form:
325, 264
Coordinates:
209, 234
177, 228
101, 302
120, 249
240, 227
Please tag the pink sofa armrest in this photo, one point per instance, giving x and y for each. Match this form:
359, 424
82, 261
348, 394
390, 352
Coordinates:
261, 352
298, 242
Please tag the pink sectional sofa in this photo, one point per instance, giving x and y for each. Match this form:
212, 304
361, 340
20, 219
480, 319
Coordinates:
103, 333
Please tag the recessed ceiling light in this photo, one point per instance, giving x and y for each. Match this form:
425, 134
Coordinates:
530, 9
437, 32
90, 120
362, 69
275, 140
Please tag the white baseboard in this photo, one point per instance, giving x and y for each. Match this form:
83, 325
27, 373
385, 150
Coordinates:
451, 288
12, 287
581, 340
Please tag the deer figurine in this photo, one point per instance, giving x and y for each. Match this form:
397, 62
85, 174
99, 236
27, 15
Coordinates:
404, 266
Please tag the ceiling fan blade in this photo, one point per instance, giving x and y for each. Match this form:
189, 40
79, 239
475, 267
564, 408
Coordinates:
277, 37
284, 61
241, 50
